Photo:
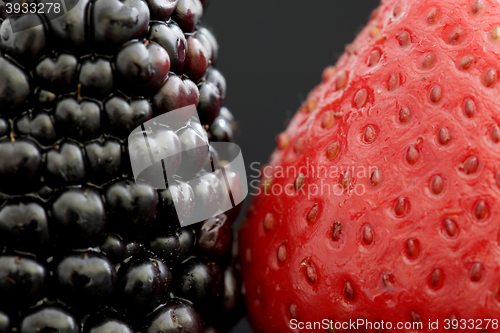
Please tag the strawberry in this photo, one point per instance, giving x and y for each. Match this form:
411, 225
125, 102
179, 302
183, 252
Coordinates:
382, 200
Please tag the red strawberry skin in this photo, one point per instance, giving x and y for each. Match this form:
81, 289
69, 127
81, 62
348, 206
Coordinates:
411, 234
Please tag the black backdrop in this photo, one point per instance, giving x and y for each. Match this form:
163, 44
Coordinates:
272, 53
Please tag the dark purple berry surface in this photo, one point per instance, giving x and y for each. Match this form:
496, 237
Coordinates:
84, 248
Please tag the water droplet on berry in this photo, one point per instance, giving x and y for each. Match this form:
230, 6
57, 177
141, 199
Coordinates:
432, 16
348, 291
401, 207
437, 184
412, 155
360, 98
490, 77
333, 151
476, 272
299, 181
312, 214
282, 253
327, 120
367, 234
268, 221
370, 134
436, 94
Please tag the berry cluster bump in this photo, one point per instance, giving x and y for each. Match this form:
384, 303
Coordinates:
381, 202
83, 248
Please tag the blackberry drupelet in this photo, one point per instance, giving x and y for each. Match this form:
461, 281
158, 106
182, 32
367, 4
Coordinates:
83, 248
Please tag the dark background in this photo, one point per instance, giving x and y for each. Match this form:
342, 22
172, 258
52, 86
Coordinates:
272, 53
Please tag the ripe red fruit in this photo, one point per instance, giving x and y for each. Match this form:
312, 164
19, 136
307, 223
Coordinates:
384, 191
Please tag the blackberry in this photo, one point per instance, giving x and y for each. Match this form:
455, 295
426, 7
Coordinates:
49, 319
84, 280
107, 322
221, 130
83, 247
176, 317
4, 323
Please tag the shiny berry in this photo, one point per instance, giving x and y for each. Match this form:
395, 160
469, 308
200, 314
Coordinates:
214, 236
197, 59
85, 279
57, 73
79, 217
39, 126
188, 13
173, 248
49, 319
24, 225
115, 22
221, 130
142, 285
141, 66
216, 77
104, 160
131, 207
210, 103
124, 116
21, 161
78, 119
177, 317
21, 281
172, 39
96, 78
202, 282
174, 94
65, 165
